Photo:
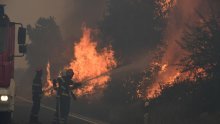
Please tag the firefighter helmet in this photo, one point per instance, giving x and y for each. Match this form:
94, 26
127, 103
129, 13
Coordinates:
69, 72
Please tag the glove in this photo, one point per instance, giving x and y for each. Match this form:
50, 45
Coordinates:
78, 85
55, 84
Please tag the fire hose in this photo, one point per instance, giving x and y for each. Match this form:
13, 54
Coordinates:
132, 67
84, 82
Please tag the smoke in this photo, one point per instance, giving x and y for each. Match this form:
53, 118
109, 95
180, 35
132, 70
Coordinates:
182, 14
136, 66
124, 70
28, 11
3, 1
69, 15
79, 12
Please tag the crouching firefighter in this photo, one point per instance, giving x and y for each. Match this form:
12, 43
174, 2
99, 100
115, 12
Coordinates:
36, 97
64, 86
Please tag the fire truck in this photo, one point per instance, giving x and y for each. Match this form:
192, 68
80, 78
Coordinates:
7, 55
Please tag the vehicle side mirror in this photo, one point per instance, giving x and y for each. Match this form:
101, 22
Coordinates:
21, 35
23, 49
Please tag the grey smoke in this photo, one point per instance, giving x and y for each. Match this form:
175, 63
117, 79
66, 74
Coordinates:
69, 15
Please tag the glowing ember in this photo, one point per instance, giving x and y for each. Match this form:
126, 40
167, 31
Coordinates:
154, 90
163, 68
89, 63
165, 6
48, 84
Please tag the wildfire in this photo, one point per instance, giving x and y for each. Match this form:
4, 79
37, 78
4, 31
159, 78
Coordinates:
90, 63
165, 6
163, 68
167, 76
49, 83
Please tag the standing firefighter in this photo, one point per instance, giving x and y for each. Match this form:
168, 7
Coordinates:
146, 115
36, 97
64, 86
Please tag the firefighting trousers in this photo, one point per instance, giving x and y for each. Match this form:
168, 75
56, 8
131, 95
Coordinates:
35, 108
62, 110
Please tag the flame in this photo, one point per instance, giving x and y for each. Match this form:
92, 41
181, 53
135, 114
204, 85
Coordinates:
153, 91
163, 68
49, 84
167, 76
165, 6
90, 63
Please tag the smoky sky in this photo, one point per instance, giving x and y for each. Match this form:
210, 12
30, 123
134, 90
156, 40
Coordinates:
69, 15
28, 11
79, 12
182, 14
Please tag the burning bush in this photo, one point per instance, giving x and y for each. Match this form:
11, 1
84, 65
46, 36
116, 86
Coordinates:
89, 63
196, 98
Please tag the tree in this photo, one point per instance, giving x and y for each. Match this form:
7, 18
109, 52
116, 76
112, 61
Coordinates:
46, 45
130, 25
201, 41
194, 101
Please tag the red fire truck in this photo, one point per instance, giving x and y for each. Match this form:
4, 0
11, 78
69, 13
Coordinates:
7, 55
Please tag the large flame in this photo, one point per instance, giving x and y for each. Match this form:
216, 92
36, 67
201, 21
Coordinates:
48, 84
90, 63
168, 74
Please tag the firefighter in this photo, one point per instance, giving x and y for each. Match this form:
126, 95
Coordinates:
36, 97
64, 86
146, 115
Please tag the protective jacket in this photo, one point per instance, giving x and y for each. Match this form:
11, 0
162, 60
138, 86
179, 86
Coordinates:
63, 86
36, 98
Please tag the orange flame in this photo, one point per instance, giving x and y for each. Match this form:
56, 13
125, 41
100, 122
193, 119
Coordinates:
165, 6
49, 83
89, 63
167, 76
173, 52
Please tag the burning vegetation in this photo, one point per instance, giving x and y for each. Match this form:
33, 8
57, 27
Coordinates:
89, 62
48, 85
167, 76
189, 57
167, 69
164, 8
